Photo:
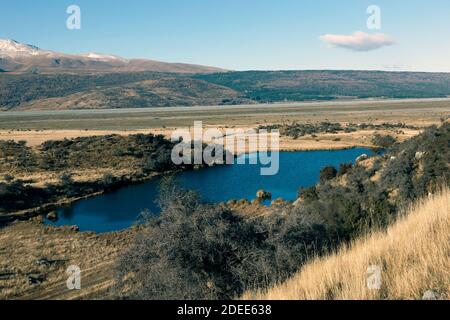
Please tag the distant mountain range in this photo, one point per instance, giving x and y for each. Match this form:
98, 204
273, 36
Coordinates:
19, 57
36, 79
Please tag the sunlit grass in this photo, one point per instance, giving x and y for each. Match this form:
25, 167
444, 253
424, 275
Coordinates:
414, 256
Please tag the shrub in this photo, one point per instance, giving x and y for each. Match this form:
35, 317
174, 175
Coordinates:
308, 194
327, 174
108, 180
191, 251
345, 168
18, 196
201, 251
67, 185
8, 178
65, 179
385, 141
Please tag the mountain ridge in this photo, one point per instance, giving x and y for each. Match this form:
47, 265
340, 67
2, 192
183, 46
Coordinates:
18, 57
36, 79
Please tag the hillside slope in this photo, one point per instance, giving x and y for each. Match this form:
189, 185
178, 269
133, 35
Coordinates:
22, 58
144, 94
20, 90
113, 90
270, 86
414, 255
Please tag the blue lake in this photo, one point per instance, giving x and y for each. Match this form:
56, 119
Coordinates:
119, 209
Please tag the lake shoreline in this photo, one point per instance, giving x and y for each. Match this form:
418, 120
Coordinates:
27, 214
118, 209
44, 209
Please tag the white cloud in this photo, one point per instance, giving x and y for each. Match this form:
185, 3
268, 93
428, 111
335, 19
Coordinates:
358, 41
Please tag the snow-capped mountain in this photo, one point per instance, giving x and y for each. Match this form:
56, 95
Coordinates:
19, 57
12, 48
104, 57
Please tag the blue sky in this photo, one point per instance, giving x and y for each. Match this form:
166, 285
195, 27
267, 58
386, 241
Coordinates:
239, 34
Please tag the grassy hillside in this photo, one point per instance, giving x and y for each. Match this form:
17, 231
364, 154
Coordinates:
153, 89
271, 86
414, 255
164, 92
19, 89
144, 89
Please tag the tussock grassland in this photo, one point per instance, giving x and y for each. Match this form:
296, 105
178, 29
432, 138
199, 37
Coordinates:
414, 255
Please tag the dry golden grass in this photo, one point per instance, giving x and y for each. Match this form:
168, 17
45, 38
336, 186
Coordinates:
323, 141
414, 256
22, 244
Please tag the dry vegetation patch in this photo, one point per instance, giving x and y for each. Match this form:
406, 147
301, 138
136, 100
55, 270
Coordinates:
414, 255
29, 250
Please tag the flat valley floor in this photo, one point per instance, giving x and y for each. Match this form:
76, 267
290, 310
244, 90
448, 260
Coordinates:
40, 126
